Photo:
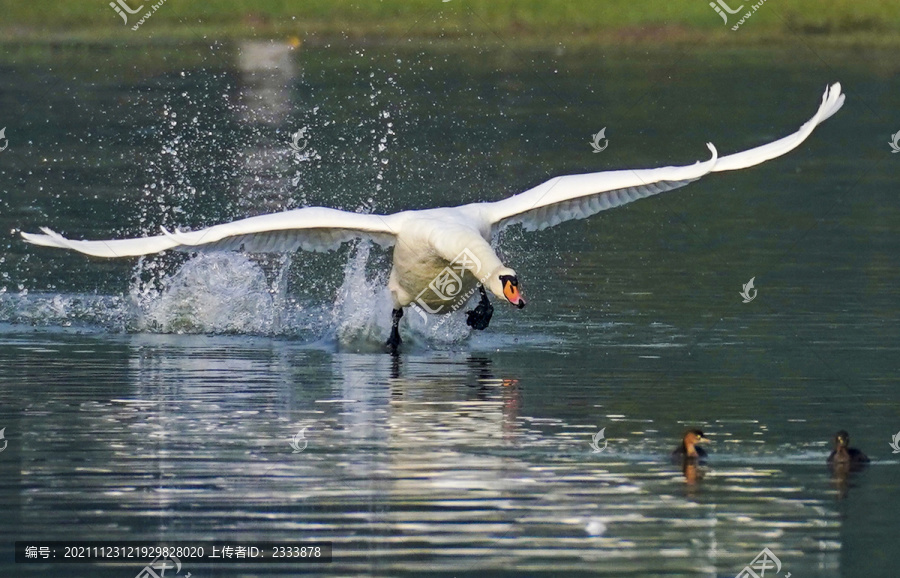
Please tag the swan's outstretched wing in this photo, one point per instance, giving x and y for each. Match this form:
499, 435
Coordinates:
579, 196
312, 229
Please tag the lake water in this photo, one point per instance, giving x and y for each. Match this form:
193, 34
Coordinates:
157, 399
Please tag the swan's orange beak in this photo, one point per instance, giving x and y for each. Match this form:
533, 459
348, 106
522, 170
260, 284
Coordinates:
511, 292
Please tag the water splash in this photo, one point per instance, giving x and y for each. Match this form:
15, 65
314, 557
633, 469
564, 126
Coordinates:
441, 330
362, 312
234, 293
72, 310
209, 158
362, 306
212, 293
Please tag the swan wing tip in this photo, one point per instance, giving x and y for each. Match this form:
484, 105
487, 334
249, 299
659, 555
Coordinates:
49, 238
832, 101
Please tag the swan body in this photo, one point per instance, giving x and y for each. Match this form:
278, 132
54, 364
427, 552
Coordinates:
444, 253
451, 235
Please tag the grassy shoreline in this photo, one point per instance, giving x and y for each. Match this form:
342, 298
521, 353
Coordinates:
540, 22
327, 34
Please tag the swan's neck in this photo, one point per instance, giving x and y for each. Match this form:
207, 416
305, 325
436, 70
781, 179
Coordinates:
467, 248
484, 263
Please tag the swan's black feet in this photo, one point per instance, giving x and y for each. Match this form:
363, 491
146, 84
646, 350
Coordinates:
394, 340
480, 317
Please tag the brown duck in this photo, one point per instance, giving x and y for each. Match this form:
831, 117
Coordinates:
843, 453
689, 451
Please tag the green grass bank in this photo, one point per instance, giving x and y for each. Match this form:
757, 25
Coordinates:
540, 21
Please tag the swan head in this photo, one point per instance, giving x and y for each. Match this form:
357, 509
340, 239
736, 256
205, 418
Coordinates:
505, 284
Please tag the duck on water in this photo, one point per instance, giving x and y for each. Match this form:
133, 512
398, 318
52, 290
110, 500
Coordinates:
689, 451
843, 454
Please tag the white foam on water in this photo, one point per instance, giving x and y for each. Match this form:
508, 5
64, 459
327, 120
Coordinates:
361, 315
362, 305
235, 293
230, 293
220, 292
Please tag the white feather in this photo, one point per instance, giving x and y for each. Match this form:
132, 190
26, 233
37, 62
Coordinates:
428, 240
579, 196
312, 228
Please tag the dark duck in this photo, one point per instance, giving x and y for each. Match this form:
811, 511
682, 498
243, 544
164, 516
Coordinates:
844, 454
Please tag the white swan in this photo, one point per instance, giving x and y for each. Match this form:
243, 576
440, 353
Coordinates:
441, 255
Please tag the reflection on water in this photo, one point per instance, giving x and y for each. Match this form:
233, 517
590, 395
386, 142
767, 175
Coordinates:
268, 72
410, 461
159, 399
